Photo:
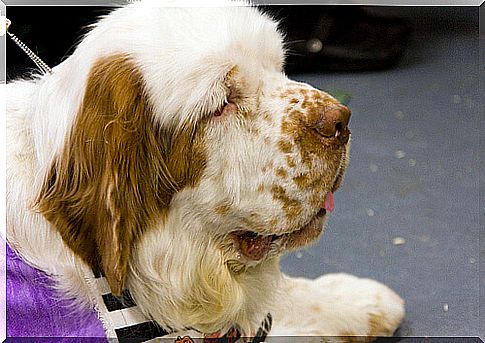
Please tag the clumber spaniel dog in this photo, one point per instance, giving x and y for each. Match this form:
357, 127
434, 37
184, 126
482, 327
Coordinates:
171, 153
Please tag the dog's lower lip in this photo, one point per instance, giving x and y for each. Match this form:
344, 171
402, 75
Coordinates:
253, 245
256, 246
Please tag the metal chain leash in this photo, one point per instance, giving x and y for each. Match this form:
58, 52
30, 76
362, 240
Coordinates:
36, 59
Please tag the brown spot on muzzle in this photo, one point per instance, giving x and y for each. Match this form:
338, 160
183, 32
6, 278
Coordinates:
223, 209
302, 180
118, 170
281, 172
285, 146
292, 207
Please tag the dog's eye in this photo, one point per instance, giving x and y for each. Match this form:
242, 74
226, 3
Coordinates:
228, 108
218, 112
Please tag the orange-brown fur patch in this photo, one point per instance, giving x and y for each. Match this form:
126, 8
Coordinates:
302, 181
316, 308
292, 207
273, 223
267, 117
222, 209
285, 146
254, 131
118, 171
285, 94
314, 183
281, 172
348, 337
377, 328
290, 162
316, 199
378, 325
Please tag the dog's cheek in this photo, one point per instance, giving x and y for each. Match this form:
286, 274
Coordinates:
275, 169
236, 189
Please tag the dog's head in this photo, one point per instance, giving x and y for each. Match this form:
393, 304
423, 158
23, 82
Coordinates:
191, 153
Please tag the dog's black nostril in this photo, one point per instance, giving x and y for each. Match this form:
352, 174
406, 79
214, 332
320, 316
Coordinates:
338, 129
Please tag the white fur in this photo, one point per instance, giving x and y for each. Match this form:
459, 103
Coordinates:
177, 273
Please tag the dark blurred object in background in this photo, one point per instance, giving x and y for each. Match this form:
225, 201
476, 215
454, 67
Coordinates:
50, 31
338, 38
341, 38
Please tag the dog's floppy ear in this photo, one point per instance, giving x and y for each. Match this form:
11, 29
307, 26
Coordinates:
111, 179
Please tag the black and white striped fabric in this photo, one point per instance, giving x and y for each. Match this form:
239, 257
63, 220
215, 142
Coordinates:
123, 319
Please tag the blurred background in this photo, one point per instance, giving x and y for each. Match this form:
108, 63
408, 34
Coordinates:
408, 212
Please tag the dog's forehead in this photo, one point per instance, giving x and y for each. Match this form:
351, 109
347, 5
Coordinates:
239, 36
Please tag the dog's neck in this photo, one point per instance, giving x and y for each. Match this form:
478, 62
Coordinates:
171, 273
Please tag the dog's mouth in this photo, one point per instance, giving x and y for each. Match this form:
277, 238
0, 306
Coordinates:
253, 247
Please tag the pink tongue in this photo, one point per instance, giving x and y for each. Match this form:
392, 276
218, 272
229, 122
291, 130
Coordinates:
329, 204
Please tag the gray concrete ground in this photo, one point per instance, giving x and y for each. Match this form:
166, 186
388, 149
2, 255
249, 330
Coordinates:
414, 178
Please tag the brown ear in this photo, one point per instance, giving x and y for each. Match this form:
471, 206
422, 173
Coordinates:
111, 178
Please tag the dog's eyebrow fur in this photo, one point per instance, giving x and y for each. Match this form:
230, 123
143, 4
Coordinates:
117, 172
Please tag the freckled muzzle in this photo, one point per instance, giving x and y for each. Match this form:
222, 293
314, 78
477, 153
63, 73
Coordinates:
314, 145
316, 126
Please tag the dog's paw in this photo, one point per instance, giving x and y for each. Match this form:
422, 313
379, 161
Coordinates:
337, 305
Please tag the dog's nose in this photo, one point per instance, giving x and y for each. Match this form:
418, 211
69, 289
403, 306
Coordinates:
334, 123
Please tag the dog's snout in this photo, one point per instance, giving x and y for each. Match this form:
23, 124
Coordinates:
334, 123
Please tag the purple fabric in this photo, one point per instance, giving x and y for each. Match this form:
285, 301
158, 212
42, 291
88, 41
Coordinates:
35, 310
